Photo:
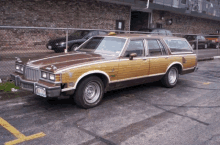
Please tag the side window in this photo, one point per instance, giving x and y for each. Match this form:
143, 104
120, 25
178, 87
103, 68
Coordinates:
162, 32
102, 33
154, 48
178, 45
163, 49
198, 37
169, 33
94, 33
203, 38
155, 32
135, 46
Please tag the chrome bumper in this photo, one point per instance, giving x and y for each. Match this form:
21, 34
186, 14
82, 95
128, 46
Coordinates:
30, 86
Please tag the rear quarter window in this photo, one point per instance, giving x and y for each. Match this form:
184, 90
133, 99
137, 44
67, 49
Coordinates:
178, 45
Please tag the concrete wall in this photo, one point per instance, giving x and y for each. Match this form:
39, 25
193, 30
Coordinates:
55, 13
186, 24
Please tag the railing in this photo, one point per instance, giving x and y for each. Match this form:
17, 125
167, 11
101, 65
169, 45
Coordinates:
30, 42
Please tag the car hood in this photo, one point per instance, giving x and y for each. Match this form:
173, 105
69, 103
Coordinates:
56, 62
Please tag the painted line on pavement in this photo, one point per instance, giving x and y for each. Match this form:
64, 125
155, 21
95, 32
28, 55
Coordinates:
21, 137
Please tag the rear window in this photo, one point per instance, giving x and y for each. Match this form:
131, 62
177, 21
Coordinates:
178, 46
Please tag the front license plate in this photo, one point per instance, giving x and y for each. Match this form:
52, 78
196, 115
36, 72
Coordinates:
49, 47
213, 40
41, 92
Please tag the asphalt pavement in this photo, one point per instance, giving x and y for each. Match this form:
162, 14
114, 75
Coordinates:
148, 114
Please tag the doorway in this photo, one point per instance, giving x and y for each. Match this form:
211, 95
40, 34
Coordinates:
139, 20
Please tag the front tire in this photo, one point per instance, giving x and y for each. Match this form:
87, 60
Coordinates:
171, 77
89, 92
73, 47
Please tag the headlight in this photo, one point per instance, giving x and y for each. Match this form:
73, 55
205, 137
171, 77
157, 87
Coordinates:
63, 43
22, 68
17, 67
52, 77
44, 75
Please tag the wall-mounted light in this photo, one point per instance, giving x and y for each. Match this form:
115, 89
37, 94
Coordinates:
169, 21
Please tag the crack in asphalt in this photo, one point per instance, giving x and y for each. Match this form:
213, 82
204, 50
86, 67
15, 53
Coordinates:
94, 135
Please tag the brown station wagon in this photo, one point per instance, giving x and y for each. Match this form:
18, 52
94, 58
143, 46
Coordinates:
105, 63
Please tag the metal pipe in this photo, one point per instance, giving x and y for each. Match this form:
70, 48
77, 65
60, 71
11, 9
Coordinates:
197, 49
66, 41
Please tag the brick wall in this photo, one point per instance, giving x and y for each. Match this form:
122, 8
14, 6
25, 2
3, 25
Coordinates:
55, 13
186, 24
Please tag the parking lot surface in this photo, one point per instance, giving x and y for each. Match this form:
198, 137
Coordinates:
188, 114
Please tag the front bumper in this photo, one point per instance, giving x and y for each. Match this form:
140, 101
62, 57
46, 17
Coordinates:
51, 92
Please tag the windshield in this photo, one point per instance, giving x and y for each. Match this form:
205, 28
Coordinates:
79, 34
104, 45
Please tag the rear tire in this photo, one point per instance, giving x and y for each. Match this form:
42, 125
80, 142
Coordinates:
171, 77
89, 92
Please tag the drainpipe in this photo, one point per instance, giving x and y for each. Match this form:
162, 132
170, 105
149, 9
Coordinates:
147, 5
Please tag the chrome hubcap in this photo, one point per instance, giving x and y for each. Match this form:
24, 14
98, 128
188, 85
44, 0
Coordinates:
172, 76
92, 92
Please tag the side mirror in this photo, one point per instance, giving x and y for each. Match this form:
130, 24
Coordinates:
132, 55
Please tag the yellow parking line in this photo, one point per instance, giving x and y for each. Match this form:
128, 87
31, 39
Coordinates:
204, 83
21, 137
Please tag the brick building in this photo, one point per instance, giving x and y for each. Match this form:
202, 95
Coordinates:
187, 16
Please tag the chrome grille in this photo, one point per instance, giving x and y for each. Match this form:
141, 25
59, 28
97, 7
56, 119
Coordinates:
32, 74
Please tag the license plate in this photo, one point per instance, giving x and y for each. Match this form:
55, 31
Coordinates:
213, 40
41, 92
49, 47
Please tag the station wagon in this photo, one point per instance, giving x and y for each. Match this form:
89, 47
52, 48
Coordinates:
105, 63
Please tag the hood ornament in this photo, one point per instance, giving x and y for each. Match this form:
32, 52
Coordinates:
54, 67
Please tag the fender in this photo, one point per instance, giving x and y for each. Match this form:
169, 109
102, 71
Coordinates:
88, 73
174, 64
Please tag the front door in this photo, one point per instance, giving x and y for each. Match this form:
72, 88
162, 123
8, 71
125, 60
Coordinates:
137, 67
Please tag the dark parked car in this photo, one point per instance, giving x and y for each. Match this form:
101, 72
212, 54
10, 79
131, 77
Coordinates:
202, 42
74, 40
214, 40
157, 31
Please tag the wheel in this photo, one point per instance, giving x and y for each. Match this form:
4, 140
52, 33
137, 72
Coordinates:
193, 46
171, 77
217, 46
205, 46
73, 47
89, 92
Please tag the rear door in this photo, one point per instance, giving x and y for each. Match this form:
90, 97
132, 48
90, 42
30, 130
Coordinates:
159, 58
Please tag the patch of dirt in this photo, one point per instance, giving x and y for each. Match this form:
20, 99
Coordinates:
11, 95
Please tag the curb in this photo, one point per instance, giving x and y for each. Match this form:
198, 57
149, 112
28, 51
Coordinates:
207, 58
